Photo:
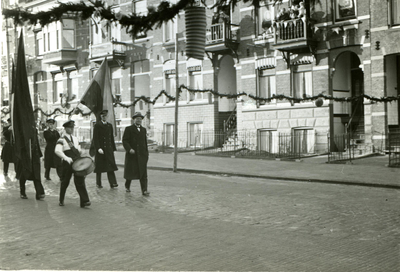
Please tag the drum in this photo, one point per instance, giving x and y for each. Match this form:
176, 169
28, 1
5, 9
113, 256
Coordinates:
83, 166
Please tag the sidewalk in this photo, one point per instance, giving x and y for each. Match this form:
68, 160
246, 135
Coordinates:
370, 171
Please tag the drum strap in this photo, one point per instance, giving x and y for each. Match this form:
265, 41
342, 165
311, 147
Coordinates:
75, 151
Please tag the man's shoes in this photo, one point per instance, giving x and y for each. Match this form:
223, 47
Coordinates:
114, 185
39, 197
85, 204
145, 193
61, 203
99, 186
127, 190
23, 196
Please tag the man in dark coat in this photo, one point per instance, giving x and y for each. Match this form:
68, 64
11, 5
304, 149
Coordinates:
134, 141
51, 136
7, 154
34, 175
104, 145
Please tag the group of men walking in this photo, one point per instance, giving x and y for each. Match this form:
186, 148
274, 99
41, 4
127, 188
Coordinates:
63, 150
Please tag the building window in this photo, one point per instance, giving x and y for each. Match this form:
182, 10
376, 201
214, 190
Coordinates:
39, 43
394, 12
116, 80
58, 87
302, 82
169, 30
267, 84
195, 133
303, 140
141, 78
265, 16
345, 9
267, 140
101, 31
139, 8
169, 86
59, 35
195, 82
169, 134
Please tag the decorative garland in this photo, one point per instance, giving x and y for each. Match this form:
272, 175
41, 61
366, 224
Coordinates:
133, 23
280, 97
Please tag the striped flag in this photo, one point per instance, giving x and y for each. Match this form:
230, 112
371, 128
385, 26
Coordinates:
98, 95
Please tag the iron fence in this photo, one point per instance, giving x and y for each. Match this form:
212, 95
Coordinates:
341, 148
394, 149
263, 144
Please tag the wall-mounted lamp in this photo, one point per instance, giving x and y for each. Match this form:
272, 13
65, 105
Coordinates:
366, 33
377, 45
118, 97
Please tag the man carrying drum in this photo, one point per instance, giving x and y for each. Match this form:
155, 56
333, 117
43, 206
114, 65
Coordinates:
68, 149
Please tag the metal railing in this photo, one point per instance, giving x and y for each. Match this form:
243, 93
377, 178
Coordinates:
291, 30
394, 149
220, 33
341, 148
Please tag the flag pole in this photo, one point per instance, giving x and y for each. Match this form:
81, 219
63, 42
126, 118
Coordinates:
176, 103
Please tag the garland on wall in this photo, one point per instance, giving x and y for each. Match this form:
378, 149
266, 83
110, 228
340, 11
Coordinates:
279, 97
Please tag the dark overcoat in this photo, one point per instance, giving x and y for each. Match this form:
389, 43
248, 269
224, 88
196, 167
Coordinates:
7, 154
50, 159
36, 155
135, 164
103, 137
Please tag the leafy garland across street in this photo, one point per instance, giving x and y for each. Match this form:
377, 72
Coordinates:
229, 96
131, 22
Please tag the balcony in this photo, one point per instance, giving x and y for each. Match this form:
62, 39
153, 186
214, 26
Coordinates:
293, 35
221, 37
61, 57
114, 52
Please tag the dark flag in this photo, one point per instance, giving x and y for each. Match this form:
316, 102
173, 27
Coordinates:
22, 118
98, 95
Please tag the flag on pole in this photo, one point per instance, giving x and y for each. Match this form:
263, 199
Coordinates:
98, 95
22, 118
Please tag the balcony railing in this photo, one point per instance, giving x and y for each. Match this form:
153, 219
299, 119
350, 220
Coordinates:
60, 57
219, 35
112, 49
291, 34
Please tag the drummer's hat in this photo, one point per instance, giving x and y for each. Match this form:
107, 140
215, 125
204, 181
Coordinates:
70, 124
137, 114
103, 112
51, 121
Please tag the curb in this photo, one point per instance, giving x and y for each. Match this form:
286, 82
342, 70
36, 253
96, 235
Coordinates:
351, 183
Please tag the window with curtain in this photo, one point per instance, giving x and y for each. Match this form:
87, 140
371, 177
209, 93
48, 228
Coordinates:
267, 85
170, 86
268, 140
169, 30
59, 35
195, 131
394, 12
141, 77
195, 82
39, 43
265, 16
116, 80
101, 31
302, 84
345, 9
169, 134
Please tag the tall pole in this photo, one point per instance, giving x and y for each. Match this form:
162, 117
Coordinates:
176, 103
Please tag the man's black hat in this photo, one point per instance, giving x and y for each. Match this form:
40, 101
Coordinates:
103, 112
70, 123
51, 121
137, 114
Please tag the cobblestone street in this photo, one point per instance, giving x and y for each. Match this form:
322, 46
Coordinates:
202, 222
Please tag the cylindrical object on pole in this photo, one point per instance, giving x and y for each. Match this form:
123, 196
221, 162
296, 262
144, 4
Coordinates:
195, 22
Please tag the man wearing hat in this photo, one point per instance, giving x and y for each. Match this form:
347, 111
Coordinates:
68, 149
7, 153
134, 141
104, 145
51, 136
